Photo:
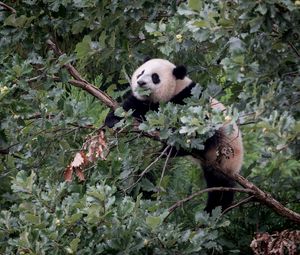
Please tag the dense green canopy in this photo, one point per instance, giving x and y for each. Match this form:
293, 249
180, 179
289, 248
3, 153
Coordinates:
245, 53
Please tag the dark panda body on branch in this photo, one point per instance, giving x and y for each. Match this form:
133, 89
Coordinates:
169, 83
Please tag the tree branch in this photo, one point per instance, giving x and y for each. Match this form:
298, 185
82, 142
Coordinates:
141, 175
82, 83
200, 192
294, 48
266, 198
7, 7
164, 169
244, 201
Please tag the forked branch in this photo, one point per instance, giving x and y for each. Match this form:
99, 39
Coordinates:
82, 83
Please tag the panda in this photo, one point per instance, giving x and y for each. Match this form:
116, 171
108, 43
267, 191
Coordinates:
170, 83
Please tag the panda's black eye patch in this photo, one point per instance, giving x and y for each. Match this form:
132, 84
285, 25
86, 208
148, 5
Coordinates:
140, 74
155, 78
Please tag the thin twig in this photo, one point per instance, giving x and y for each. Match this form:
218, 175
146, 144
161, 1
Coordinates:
248, 123
244, 201
141, 175
200, 192
294, 48
164, 169
7, 7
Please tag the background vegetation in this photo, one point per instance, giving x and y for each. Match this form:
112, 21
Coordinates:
243, 52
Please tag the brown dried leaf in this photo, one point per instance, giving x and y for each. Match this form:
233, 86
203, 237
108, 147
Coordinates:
68, 174
276, 244
80, 174
96, 147
79, 160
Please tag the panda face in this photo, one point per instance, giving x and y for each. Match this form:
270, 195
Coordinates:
157, 76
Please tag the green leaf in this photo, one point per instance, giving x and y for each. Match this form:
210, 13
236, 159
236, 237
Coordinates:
184, 10
79, 26
201, 35
201, 23
22, 183
14, 21
153, 222
73, 218
74, 244
255, 24
10, 20
83, 48
262, 8
195, 5
236, 45
112, 40
143, 91
151, 27
31, 218
102, 39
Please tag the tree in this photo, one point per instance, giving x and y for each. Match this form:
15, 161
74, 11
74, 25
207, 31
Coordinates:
245, 53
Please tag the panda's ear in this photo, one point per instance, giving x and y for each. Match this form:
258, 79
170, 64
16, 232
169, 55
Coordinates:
147, 58
180, 72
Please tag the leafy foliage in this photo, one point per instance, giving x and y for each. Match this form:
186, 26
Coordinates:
245, 53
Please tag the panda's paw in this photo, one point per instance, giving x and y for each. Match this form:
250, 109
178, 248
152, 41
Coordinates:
111, 119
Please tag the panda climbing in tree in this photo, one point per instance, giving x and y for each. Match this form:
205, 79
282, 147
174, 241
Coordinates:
169, 83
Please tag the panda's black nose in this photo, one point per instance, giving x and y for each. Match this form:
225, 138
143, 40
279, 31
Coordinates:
141, 83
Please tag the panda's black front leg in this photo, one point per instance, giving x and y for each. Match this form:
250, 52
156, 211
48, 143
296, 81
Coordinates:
138, 107
111, 119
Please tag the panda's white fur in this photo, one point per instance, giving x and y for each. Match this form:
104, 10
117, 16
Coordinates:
168, 86
222, 151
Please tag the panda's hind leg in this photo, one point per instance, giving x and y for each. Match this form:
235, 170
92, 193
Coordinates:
215, 178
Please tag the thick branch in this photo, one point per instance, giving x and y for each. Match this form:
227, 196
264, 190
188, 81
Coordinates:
82, 83
267, 199
94, 91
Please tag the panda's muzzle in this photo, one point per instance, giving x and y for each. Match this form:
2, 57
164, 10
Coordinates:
141, 83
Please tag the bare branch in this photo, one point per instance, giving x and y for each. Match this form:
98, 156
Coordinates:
7, 7
4, 151
294, 48
266, 198
164, 169
244, 201
94, 91
141, 175
200, 192
82, 83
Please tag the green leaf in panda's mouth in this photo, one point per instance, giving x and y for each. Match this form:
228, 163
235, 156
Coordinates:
143, 91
